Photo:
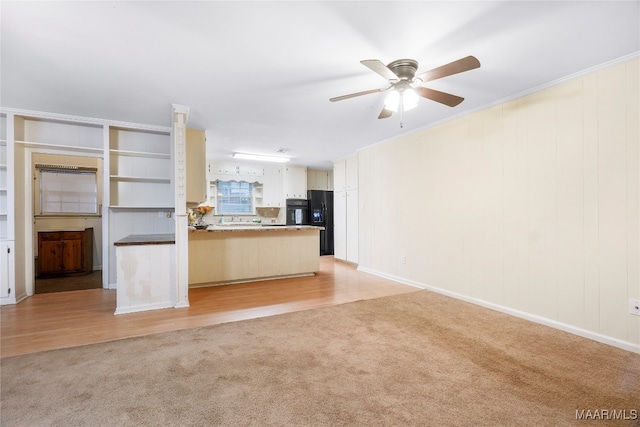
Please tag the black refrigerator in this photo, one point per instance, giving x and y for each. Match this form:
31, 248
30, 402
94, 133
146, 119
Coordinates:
321, 214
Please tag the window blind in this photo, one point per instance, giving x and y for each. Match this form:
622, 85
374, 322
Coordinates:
68, 191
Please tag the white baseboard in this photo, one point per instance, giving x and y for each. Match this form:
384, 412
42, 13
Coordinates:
615, 342
144, 307
12, 300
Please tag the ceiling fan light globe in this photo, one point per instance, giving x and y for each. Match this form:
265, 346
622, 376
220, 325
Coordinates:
393, 101
409, 99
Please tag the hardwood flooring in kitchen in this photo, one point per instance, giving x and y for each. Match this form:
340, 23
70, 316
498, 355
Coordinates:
68, 319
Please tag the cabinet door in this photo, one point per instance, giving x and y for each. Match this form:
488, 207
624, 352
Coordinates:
351, 172
296, 182
340, 225
7, 269
50, 256
72, 255
272, 187
330, 185
196, 173
339, 178
352, 226
317, 180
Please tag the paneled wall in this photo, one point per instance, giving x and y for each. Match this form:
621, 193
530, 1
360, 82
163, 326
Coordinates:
530, 206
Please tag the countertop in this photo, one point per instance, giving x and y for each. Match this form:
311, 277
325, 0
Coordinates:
147, 239
261, 228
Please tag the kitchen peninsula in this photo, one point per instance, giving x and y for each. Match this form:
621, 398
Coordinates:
229, 254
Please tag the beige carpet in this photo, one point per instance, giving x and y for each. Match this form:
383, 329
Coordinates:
418, 359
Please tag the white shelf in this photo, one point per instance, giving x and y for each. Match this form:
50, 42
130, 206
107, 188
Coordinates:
140, 154
158, 180
30, 144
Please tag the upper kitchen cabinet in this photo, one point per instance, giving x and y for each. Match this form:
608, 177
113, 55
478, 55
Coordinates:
319, 180
272, 180
345, 174
196, 155
244, 170
295, 182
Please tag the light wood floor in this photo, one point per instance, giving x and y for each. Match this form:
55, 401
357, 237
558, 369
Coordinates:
68, 319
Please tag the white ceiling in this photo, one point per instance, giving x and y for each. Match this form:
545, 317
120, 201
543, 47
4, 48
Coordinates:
258, 75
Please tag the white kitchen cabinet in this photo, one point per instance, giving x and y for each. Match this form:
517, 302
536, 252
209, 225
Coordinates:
7, 272
295, 182
196, 173
351, 172
244, 171
318, 179
250, 170
272, 187
345, 174
345, 209
339, 176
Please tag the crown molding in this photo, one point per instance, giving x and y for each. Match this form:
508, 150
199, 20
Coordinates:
84, 120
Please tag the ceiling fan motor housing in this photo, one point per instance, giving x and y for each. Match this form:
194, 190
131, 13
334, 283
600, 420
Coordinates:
405, 69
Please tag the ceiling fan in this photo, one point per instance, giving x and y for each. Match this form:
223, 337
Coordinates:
403, 81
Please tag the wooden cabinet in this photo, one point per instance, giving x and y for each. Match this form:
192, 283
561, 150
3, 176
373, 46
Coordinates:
196, 155
65, 252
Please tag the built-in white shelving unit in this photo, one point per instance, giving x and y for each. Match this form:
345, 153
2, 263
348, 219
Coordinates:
7, 236
140, 168
3, 185
136, 180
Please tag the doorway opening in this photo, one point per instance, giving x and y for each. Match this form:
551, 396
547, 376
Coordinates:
67, 222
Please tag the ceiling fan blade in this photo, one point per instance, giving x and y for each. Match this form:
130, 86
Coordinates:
378, 67
441, 97
353, 95
455, 67
385, 113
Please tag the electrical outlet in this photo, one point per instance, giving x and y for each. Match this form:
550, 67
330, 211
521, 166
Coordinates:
403, 259
634, 306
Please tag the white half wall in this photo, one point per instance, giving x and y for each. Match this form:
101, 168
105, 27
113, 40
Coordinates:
531, 205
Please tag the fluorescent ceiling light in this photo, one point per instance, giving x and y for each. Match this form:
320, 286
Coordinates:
260, 158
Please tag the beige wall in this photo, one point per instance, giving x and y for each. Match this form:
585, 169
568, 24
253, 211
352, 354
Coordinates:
530, 206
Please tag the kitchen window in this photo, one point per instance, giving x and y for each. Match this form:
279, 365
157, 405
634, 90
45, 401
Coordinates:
234, 197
